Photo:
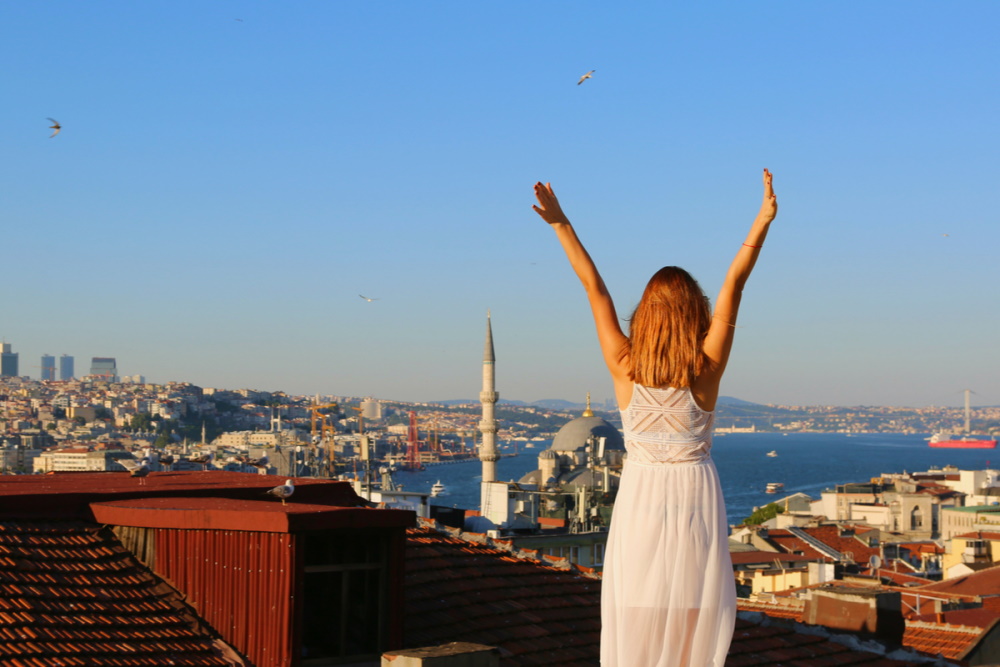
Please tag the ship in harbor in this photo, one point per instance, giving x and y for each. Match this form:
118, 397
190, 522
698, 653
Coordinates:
960, 442
966, 441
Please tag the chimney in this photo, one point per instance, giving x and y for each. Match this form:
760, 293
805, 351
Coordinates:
868, 612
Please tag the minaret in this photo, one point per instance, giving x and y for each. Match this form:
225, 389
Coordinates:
488, 397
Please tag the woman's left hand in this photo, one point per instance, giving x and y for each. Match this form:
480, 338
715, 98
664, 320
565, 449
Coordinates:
548, 205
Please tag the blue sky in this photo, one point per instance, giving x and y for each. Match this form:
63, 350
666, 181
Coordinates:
232, 175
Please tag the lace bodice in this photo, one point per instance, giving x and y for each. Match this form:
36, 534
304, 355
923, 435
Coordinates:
665, 426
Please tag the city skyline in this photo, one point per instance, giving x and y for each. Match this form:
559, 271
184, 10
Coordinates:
227, 181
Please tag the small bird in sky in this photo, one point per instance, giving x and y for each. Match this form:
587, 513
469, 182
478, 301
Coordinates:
55, 126
283, 491
366, 298
588, 75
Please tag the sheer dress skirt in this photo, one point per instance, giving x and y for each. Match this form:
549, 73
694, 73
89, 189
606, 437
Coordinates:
668, 595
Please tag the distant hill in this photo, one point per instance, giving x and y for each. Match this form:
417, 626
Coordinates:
729, 400
569, 406
549, 403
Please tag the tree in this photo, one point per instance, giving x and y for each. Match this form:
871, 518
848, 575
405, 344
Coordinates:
762, 514
141, 422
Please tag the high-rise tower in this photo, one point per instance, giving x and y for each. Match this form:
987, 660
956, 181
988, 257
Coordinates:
48, 367
8, 361
488, 397
66, 371
104, 367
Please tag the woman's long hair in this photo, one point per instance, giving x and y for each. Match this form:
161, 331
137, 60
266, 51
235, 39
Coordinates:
667, 329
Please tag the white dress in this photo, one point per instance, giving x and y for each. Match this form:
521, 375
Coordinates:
669, 596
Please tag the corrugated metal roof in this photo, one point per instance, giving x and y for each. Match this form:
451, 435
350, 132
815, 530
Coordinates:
242, 583
68, 495
249, 515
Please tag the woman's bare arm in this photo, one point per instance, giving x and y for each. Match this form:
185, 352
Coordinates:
614, 344
719, 341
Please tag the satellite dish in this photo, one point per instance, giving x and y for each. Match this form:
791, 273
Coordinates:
874, 562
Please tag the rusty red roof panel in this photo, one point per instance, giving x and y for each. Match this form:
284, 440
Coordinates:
68, 495
225, 574
252, 515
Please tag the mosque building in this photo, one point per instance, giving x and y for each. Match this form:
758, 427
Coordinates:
564, 507
587, 452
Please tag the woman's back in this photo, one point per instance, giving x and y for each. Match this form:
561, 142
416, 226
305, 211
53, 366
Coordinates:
666, 426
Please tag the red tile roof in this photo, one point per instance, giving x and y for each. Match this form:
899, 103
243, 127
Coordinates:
458, 591
788, 608
850, 545
950, 641
983, 583
70, 594
769, 645
789, 543
976, 618
540, 615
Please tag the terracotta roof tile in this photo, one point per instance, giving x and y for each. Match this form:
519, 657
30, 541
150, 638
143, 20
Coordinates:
951, 641
758, 646
72, 595
541, 615
983, 583
459, 591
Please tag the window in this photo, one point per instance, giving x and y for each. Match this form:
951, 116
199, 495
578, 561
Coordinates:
344, 615
599, 553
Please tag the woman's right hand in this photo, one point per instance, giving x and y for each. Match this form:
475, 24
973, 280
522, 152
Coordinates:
768, 207
548, 205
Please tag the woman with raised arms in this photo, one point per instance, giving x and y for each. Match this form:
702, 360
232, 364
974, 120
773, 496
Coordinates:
668, 596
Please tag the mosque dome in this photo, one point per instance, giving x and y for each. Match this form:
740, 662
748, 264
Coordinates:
573, 436
547, 454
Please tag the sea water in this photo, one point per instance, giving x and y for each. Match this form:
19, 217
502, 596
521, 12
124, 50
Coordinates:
806, 463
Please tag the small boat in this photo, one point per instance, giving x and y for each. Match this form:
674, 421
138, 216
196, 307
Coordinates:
772, 453
774, 487
437, 489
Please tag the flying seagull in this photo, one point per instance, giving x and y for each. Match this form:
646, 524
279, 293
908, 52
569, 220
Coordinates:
55, 126
366, 298
588, 75
284, 491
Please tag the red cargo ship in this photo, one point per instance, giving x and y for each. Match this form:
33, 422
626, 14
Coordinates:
964, 442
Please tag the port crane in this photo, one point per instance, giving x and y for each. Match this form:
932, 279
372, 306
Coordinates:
326, 432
